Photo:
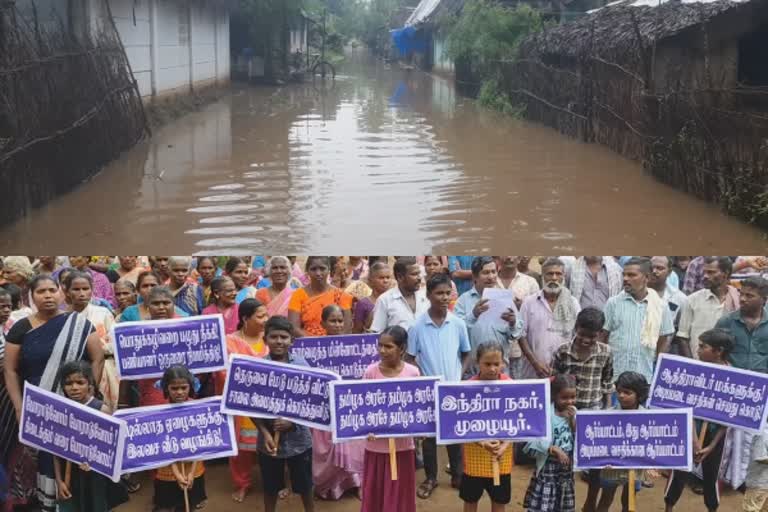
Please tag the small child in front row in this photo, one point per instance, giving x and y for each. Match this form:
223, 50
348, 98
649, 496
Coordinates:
551, 488
170, 481
715, 346
632, 392
380, 492
294, 448
478, 457
85, 490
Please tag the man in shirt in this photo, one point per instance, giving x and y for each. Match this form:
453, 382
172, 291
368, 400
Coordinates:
593, 280
438, 343
460, 268
404, 303
548, 321
471, 306
511, 279
705, 307
638, 322
661, 266
749, 325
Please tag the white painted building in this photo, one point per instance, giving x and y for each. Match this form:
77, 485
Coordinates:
173, 46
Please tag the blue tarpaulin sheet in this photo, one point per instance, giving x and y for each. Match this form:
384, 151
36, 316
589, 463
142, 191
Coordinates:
408, 40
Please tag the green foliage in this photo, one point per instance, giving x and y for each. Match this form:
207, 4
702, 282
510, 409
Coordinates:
369, 21
486, 31
492, 97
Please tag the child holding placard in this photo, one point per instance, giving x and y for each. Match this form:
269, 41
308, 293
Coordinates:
380, 492
179, 484
632, 392
479, 457
79, 488
715, 346
551, 488
282, 443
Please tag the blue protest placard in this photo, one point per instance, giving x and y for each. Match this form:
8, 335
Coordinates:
637, 439
144, 350
72, 431
479, 410
383, 407
348, 355
261, 388
160, 435
719, 394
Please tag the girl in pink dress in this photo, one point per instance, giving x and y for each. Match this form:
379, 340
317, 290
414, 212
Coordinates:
380, 492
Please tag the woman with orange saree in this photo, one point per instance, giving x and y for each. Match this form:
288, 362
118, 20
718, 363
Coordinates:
306, 306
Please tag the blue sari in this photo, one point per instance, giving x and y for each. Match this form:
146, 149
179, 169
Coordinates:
44, 350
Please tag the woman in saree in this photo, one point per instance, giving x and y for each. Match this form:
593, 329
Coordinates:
126, 296
380, 279
206, 271
277, 296
341, 277
306, 306
188, 296
247, 340
18, 270
239, 272
146, 281
20, 486
160, 306
79, 290
36, 347
223, 293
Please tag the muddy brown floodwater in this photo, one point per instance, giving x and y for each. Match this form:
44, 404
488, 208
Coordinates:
386, 161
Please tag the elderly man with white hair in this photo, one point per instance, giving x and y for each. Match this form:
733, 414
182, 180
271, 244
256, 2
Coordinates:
187, 294
548, 319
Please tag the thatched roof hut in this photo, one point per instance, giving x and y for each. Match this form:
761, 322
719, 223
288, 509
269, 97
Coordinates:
623, 32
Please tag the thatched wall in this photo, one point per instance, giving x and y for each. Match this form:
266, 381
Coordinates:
68, 105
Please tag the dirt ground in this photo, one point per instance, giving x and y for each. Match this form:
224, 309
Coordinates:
444, 499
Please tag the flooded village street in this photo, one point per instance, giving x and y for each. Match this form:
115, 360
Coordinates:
391, 154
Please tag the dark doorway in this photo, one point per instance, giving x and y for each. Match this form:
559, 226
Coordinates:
753, 58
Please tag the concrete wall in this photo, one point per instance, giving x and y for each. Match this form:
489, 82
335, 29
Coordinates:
440, 61
174, 46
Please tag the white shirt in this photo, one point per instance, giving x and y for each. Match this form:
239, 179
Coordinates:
523, 285
701, 312
392, 309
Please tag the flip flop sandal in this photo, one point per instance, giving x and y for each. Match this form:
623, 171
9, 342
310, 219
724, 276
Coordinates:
239, 496
426, 489
131, 486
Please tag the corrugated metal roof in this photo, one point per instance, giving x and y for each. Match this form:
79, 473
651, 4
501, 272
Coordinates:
422, 12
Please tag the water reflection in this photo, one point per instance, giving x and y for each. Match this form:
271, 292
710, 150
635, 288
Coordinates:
385, 161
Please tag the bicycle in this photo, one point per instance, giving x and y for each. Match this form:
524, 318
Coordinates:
321, 67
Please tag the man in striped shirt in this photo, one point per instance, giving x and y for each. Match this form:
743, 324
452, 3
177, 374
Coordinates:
625, 319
